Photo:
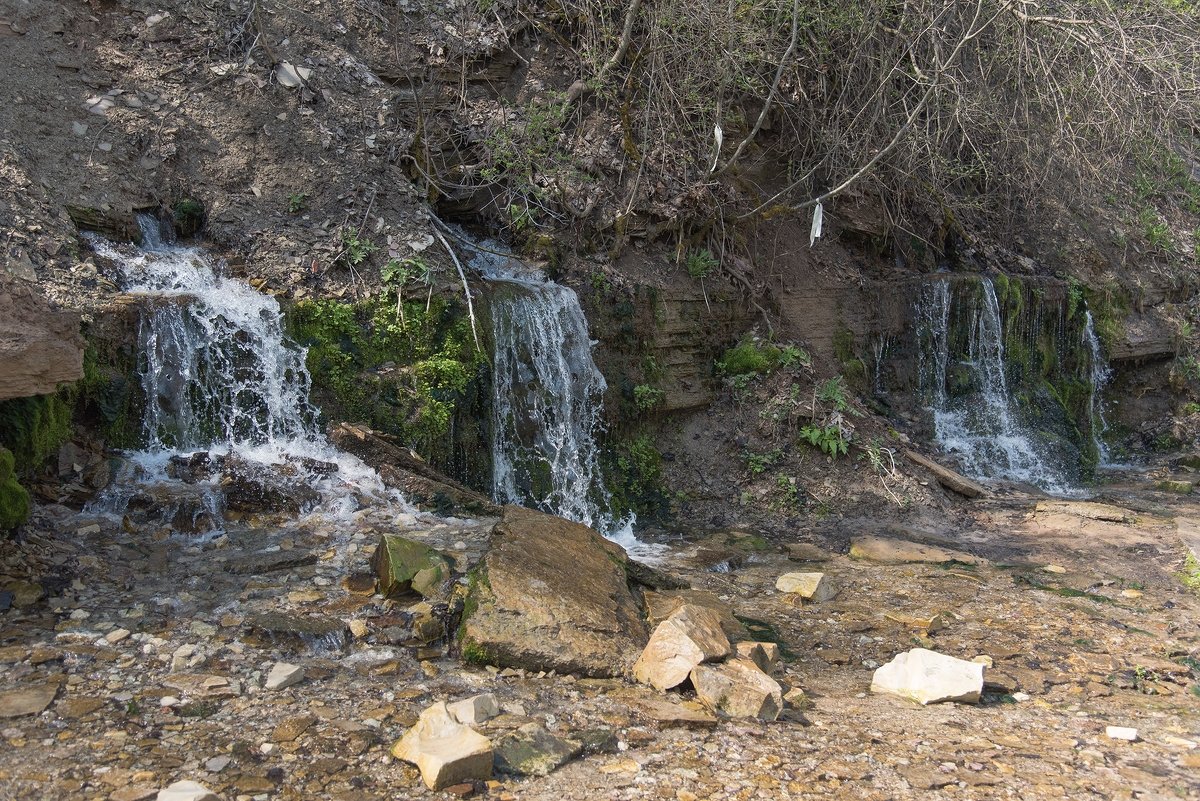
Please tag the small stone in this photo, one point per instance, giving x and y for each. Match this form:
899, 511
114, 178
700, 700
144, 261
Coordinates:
117, 635
1122, 733
928, 677
1131, 593
1059, 569
815, 587
291, 728
283, 675
168, 701
217, 764
79, 128
134, 792
739, 689
690, 636
358, 628
475, 709
983, 659
186, 791
1020, 697
444, 750
84, 531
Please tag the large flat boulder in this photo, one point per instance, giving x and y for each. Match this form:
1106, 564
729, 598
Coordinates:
551, 595
40, 346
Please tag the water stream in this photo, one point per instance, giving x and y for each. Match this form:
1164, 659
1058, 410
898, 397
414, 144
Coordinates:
220, 376
979, 425
547, 398
1099, 376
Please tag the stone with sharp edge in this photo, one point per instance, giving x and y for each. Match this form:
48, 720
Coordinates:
928, 677
444, 750
475, 709
283, 675
739, 689
690, 636
816, 587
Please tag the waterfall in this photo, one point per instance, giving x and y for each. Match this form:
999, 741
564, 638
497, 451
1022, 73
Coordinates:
977, 423
1099, 374
547, 398
219, 374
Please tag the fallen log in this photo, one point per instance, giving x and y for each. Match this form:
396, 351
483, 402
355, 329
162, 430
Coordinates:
401, 468
947, 477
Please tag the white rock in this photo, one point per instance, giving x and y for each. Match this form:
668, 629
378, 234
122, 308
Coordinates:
811, 586
1122, 733
168, 701
928, 677
283, 675
187, 791
290, 75
475, 709
445, 751
217, 764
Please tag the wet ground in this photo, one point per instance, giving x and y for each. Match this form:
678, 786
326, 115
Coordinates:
144, 664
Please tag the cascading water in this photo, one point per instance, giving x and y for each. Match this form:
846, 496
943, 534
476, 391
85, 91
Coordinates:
1099, 374
547, 395
219, 375
979, 426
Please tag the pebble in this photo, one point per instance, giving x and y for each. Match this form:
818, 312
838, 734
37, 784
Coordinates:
1121, 733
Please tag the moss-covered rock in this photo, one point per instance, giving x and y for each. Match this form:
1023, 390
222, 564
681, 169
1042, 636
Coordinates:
414, 374
402, 564
14, 500
33, 428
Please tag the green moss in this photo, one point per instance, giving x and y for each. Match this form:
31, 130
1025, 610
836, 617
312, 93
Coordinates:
189, 215
14, 500
749, 357
635, 477
34, 428
417, 376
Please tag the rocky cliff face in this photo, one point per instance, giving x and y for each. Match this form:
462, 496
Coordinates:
40, 346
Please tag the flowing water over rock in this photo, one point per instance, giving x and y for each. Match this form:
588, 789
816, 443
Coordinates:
965, 386
547, 397
1100, 375
222, 380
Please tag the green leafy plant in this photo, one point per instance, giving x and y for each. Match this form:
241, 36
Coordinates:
297, 202
748, 357
646, 397
791, 355
757, 463
833, 393
829, 439
356, 249
1155, 229
700, 263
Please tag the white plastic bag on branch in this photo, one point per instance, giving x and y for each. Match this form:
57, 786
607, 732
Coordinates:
818, 219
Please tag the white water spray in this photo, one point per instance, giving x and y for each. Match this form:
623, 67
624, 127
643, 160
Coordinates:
220, 375
981, 428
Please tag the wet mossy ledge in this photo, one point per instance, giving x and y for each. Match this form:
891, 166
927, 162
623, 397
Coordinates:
412, 371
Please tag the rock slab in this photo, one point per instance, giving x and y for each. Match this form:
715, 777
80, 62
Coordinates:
283, 675
690, 636
444, 750
816, 587
40, 346
889, 551
402, 564
928, 677
533, 751
26, 700
551, 595
186, 791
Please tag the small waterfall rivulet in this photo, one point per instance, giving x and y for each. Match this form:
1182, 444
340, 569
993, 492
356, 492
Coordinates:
980, 425
547, 395
1099, 375
220, 375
